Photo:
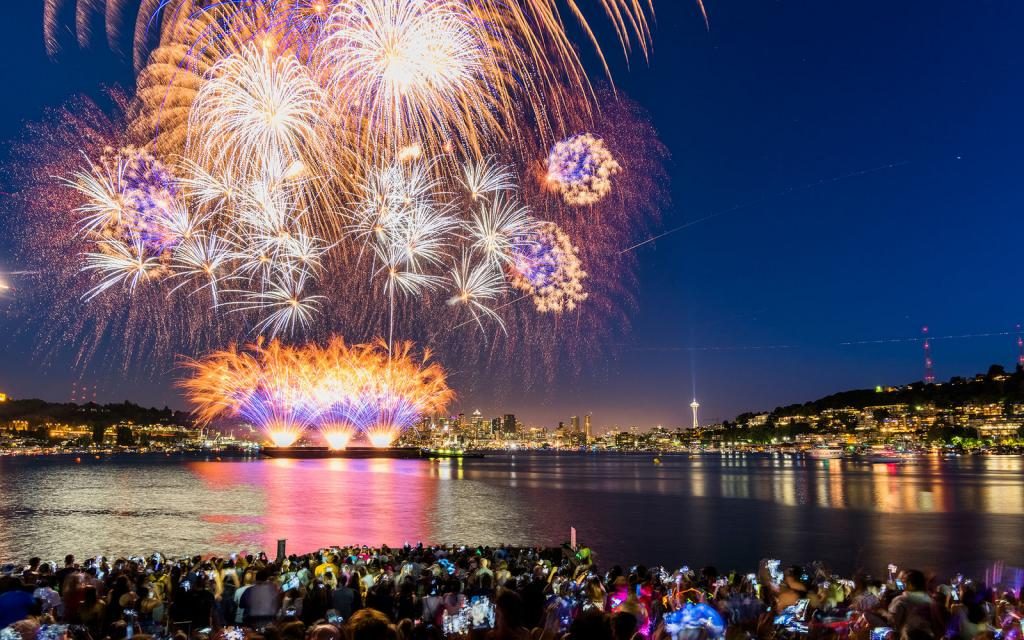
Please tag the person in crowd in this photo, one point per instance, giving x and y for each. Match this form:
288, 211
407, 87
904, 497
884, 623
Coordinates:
972, 614
913, 612
624, 626
407, 605
70, 567
16, 603
261, 601
248, 580
370, 624
48, 599
509, 618
345, 598
92, 612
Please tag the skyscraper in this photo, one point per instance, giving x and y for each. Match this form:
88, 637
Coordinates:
575, 422
586, 429
478, 425
695, 405
508, 425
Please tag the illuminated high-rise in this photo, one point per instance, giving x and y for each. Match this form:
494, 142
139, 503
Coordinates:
586, 429
695, 405
479, 431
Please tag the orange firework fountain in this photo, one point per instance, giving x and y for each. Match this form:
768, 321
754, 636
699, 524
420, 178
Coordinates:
341, 389
262, 385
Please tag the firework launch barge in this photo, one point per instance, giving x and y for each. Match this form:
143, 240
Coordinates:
414, 453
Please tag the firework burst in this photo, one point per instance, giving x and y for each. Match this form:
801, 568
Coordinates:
500, 228
414, 71
548, 268
254, 106
580, 168
476, 287
131, 196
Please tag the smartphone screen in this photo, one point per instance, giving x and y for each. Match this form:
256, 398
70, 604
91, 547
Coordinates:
881, 633
481, 612
801, 609
565, 608
454, 624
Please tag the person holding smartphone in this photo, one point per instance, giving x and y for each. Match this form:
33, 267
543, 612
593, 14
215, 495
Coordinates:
972, 613
914, 611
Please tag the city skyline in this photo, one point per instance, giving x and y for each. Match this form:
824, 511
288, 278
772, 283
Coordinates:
499, 420
816, 252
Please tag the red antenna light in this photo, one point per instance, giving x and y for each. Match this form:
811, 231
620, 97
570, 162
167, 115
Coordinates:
1020, 347
929, 374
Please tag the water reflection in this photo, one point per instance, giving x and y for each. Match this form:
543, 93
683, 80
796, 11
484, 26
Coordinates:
719, 508
317, 502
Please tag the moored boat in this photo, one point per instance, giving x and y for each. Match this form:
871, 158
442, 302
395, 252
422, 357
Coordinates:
825, 453
314, 453
888, 456
317, 453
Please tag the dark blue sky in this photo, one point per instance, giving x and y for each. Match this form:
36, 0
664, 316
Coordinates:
777, 96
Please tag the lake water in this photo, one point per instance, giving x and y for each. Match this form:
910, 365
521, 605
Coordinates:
963, 513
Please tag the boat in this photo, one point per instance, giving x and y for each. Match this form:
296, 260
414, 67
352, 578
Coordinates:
362, 453
313, 453
888, 456
825, 453
450, 453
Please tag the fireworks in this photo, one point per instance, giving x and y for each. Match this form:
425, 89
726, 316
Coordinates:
202, 231
297, 168
413, 70
485, 177
131, 197
418, 65
342, 390
475, 286
580, 168
499, 228
121, 263
549, 270
256, 106
263, 386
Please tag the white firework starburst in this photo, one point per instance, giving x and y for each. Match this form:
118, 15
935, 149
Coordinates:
475, 287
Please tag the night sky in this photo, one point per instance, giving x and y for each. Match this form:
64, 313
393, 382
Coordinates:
861, 164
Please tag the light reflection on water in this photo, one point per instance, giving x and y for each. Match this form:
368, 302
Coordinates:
729, 510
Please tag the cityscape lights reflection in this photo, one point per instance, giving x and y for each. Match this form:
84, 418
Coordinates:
681, 510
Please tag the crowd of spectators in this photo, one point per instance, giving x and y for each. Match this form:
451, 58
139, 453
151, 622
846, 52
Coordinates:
502, 593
